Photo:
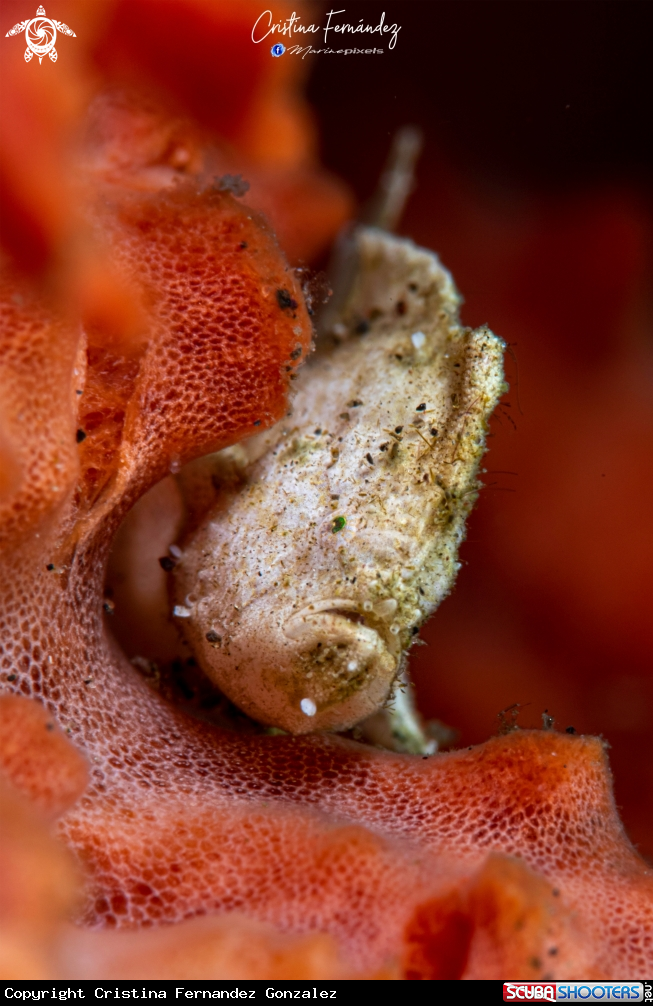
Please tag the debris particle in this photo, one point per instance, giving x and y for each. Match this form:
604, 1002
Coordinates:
80, 435
308, 707
285, 300
235, 184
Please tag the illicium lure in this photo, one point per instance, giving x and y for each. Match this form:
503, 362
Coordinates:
303, 590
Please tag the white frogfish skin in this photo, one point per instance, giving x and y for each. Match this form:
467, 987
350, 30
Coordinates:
308, 582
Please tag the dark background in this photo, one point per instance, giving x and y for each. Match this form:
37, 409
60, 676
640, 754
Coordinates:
522, 94
534, 187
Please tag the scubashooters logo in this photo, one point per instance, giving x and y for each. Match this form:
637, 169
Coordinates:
573, 991
40, 35
333, 32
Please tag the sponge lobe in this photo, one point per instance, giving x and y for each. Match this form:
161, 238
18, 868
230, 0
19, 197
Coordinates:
216, 359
